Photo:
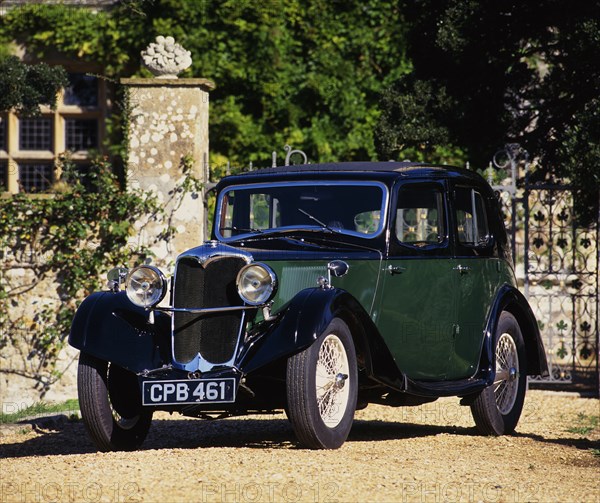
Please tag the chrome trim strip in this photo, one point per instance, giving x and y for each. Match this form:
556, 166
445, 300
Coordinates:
206, 310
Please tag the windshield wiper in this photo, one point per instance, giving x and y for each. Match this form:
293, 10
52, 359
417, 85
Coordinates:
316, 220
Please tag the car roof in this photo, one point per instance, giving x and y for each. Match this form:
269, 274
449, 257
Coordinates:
382, 170
390, 166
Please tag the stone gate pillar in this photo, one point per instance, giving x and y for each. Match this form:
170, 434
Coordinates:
168, 122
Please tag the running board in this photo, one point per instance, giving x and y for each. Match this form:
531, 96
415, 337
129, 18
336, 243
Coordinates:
461, 387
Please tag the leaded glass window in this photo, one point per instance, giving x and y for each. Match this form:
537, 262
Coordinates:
35, 133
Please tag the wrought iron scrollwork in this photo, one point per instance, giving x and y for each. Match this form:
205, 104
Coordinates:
558, 261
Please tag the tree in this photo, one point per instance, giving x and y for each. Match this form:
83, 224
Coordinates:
25, 87
488, 73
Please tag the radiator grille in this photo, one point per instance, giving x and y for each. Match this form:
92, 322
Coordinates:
213, 336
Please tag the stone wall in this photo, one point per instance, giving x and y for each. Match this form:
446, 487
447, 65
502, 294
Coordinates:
16, 390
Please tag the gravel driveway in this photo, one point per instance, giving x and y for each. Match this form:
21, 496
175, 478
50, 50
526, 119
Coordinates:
424, 454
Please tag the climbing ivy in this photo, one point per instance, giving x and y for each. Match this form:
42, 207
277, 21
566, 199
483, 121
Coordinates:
66, 241
25, 87
63, 241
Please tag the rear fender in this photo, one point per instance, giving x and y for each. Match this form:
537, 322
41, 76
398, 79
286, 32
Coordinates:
510, 299
302, 322
108, 326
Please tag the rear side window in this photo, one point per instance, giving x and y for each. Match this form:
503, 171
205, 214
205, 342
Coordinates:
420, 216
471, 218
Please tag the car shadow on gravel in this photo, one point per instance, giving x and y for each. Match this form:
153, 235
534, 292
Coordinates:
71, 438
68, 438
583, 444
63, 438
364, 431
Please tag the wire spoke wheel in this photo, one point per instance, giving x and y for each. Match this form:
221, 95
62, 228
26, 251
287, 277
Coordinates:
331, 375
497, 409
322, 385
506, 385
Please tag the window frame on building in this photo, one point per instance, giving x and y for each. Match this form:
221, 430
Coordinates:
14, 160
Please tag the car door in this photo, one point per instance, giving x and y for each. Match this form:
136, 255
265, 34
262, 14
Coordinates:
477, 272
417, 309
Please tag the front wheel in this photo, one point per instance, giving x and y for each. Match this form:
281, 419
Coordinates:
322, 386
110, 403
497, 409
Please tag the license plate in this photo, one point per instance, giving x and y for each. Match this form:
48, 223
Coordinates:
189, 391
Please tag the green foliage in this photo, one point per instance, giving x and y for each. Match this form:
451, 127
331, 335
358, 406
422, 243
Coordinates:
411, 123
490, 73
304, 73
69, 238
107, 38
26, 87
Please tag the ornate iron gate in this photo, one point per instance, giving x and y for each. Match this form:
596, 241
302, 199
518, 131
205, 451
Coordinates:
561, 282
557, 263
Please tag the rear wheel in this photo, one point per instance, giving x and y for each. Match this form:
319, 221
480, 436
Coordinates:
110, 403
322, 388
497, 409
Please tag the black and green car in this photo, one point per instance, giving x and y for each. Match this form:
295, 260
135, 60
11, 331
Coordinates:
323, 288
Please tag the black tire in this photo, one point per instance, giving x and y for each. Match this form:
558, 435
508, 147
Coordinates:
111, 406
322, 385
497, 409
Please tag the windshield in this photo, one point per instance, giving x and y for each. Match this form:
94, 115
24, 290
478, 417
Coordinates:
332, 207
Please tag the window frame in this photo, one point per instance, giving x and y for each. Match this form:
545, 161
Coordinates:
483, 246
222, 207
15, 158
399, 249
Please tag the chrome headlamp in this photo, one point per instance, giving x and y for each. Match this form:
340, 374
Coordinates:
145, 286
256, 284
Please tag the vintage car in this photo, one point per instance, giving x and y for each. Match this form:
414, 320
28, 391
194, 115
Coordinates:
323, 288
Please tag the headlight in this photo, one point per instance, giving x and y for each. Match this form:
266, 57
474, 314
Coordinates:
145, 286
256, 284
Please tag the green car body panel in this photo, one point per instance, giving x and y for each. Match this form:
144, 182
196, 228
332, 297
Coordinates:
361, 280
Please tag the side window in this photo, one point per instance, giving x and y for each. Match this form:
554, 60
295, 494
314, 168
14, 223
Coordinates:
420, 216
471, 219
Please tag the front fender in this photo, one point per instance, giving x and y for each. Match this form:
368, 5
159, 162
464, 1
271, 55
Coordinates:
305, 318
108, 326
512, 300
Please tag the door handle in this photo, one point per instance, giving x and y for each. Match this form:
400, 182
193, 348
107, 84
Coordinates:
462, 269
395, 269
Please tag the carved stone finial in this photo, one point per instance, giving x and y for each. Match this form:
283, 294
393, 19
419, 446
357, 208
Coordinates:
165, 59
